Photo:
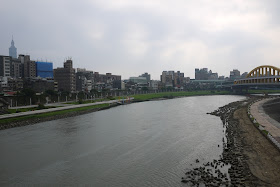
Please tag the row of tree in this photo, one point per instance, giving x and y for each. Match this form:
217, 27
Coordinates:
29, 96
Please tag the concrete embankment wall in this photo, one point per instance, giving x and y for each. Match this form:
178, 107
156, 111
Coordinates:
262, 122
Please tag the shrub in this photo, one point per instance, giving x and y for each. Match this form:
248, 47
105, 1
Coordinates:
110, 98
41, 106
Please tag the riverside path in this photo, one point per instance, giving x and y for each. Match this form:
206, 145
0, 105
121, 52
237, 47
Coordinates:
5, 116
269, 124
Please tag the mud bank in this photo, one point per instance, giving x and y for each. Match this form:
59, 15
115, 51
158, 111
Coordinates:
263, 158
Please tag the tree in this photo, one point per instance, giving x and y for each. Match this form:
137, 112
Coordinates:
28, 94
145, 88
81, 95
50, 93
93, 91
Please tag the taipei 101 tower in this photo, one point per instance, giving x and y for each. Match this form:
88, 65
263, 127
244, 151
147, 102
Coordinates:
13, 49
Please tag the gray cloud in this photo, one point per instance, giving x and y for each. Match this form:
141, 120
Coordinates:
129, 37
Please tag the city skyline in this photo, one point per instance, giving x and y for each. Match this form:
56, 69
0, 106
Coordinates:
213, 76
131, 37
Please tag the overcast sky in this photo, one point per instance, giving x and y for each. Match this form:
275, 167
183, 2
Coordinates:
130, 37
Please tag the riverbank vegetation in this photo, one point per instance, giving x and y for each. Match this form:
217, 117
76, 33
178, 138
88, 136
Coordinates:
55, 113
170, 95
137, 98
263, 91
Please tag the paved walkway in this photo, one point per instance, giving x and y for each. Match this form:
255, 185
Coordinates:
49, 104
269, 124
56, 109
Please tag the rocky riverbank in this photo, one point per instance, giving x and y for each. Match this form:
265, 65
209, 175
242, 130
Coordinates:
231, 168
50, 118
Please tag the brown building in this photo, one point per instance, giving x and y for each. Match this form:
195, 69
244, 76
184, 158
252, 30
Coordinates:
107, 81
108, 78
29, 70
39, 84
178, 79
66, 77
16, 68
172, 79
15, 84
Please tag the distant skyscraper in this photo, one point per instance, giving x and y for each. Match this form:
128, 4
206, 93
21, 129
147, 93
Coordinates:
13, 50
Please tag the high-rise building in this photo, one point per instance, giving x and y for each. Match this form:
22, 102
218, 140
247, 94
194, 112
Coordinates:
178, 79
13, 50
66, 77
29, 70
84, 80
5, 66
44, 69
172, 79
234, 74
107, 81
204, 74
243, 76
201, 74
148, 76
16, 68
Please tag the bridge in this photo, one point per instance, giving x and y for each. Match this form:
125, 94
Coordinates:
265, 76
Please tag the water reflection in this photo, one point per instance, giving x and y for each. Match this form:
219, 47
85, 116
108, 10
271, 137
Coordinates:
142, 144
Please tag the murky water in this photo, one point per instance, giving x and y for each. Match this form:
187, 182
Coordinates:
141, 144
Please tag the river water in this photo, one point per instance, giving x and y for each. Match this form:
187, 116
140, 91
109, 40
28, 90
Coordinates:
141, 144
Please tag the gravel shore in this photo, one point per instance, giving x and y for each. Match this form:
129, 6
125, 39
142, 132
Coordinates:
248, 158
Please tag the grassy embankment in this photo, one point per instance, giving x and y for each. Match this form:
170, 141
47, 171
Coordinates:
140, 97
48, 114
263, 91
170, 95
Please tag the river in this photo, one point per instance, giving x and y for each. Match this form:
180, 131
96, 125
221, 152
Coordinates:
140, 144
